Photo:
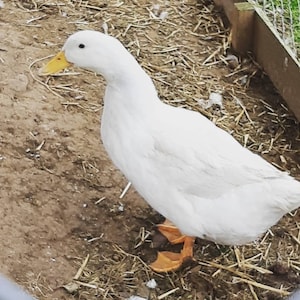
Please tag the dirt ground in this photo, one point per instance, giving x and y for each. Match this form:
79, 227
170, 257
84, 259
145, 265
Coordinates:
60, 194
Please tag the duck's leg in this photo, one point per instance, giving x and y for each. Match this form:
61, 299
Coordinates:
169, 261
171, 232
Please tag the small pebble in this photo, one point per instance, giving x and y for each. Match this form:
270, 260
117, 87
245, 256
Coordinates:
136, 298
121, 207
151, 284
232, 60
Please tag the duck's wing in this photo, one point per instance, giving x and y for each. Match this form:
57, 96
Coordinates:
191, 152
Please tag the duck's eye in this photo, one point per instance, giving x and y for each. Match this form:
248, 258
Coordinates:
81, 46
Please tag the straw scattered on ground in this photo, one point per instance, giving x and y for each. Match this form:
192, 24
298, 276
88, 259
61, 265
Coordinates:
185, 47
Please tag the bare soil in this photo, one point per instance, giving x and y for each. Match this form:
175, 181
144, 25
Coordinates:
60, 194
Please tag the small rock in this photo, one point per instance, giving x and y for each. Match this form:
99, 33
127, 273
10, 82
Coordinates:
136, 298
232, 60
71, 287
151, 284
121, 207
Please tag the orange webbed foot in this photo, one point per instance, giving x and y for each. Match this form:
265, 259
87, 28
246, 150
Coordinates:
169, 261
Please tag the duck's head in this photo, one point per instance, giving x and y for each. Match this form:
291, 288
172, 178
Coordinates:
91, 50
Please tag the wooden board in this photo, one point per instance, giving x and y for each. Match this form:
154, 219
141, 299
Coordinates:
241, 16
278, 61
242, 27
252, 31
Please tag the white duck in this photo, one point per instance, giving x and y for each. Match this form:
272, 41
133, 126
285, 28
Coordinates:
192, 172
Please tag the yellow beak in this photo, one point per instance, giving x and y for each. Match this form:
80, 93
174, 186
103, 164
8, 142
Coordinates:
56, 64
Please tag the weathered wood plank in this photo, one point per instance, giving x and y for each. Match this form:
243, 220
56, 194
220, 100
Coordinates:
228, 7
277, 60
240, 16
242, 27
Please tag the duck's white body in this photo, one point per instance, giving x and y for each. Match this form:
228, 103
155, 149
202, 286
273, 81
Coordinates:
193, 173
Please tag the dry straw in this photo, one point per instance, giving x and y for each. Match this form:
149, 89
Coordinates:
184, 46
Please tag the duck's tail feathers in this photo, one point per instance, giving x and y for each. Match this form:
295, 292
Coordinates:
288, 195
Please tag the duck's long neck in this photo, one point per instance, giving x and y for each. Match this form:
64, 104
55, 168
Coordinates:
130, 107
129, 85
